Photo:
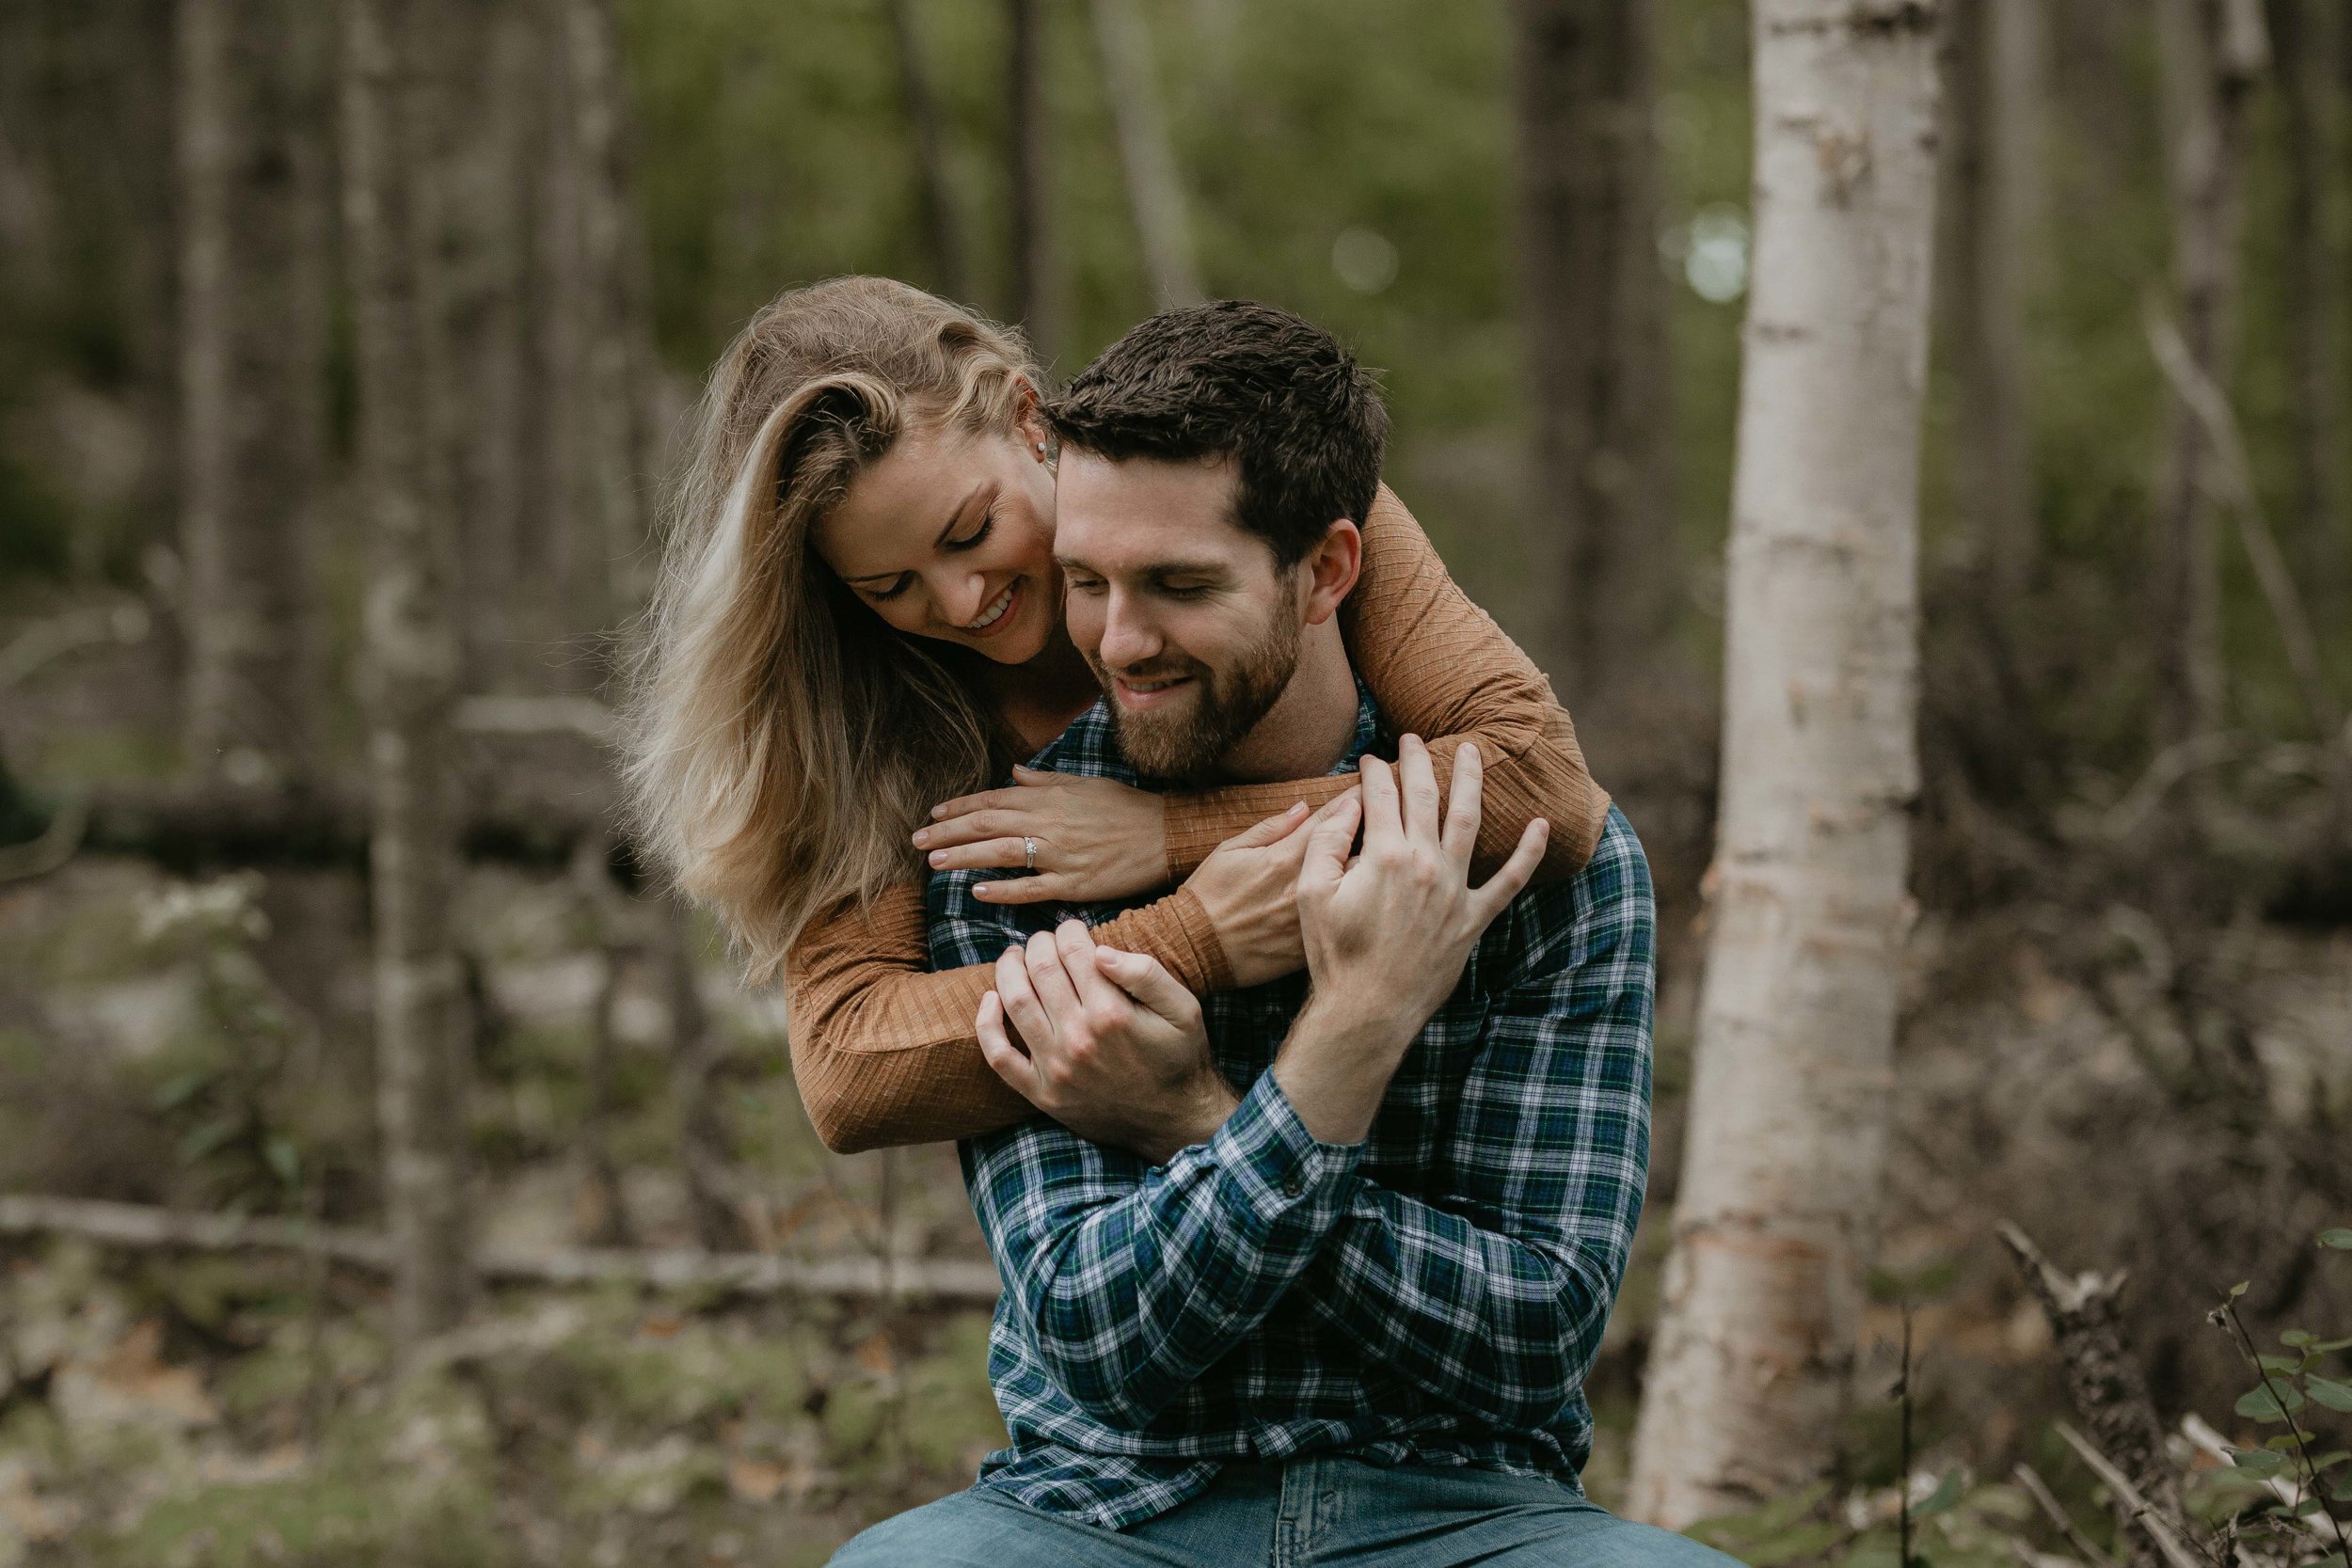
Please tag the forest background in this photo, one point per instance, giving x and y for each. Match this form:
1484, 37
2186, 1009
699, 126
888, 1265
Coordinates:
2125, 1004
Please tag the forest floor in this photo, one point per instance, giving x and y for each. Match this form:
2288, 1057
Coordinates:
202, 1045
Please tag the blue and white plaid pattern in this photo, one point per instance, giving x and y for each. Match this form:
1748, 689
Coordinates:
1436, 1295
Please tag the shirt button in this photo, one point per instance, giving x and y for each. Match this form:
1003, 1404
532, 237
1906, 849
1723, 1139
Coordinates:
1294, 1184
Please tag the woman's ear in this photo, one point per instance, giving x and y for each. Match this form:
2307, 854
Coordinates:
1029, 422
1331, 569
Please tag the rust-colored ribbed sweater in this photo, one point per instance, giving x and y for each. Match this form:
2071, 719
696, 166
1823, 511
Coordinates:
884, 1048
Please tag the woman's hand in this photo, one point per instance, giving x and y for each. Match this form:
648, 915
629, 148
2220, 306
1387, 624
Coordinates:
1250, 886
1095, 839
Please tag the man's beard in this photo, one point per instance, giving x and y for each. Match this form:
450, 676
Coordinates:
1187, 739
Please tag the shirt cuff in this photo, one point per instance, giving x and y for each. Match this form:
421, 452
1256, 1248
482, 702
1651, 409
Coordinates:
1276, 1171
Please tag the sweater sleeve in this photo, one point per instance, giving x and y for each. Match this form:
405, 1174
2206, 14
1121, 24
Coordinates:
883, 1050
1439, 667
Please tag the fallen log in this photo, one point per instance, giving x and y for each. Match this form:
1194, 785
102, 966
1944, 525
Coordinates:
143, 1227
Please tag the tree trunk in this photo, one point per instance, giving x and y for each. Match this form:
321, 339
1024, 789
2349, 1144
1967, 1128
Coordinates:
1992, 233
2302, 32
1037, 295
1594, 303
695, 1065
1750, 1369
2213, 53
1155, 186
252, 382
412, 652
935, 188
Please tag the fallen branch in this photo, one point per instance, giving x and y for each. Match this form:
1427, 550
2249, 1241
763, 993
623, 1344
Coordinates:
2038, 1490
142, 1226
2108, 1390
2168, 1532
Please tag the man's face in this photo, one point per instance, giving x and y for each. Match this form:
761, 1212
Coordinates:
1189, 625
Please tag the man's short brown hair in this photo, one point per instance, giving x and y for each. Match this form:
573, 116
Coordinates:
1302, 420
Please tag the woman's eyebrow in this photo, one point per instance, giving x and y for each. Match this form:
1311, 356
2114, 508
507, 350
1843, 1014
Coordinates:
953, 518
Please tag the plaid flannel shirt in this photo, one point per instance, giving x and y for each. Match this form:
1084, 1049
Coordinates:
1435, 1294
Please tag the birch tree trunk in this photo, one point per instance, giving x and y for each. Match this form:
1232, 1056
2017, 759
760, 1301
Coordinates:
2304, 32
1749, 1371
1594, 304
2213, 54
1155, 186
412, 663
1037, 302
936, 208
1993, 235
252, 347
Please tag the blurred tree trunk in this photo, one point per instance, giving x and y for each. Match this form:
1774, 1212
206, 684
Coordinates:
1749, 1371
696, 1056
2302, 32
2213, 54
1155, 186
484, 71
1593, 299
935, 187
1992, 242
616, 310
251, 111
412, 657
1037, 295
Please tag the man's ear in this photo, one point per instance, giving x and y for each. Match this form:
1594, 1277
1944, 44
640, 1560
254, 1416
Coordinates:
1330, 571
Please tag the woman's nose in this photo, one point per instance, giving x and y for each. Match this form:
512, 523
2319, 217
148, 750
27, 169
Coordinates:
962, 601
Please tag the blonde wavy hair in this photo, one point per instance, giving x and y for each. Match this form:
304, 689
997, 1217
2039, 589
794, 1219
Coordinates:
781, 741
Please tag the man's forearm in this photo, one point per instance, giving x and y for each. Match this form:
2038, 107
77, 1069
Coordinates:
1499, 1327
1130, 1298
1335, 1065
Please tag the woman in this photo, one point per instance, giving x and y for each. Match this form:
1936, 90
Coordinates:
859, 624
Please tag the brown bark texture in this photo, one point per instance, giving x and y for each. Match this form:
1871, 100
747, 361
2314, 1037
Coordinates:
1593, 301
1037, 283
2306, 37
412, 658
2214, 54
1992, 240
252, 102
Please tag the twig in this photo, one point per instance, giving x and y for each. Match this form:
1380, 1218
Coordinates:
2236, 490
2226, 1312
2038, 1490
750, 1274
2136, 1506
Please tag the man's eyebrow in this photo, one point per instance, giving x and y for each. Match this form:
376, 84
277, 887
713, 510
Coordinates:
953, 518
1155, 568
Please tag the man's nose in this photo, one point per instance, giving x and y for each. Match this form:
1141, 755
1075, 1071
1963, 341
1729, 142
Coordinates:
1129, 638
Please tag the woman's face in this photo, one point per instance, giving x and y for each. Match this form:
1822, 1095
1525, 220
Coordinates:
951, 535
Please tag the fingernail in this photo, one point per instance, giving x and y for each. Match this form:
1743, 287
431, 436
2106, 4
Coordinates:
922, 836
939, 857
1470, 750
983, 890
939, 811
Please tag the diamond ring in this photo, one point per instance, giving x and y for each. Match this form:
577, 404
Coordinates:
1029, 854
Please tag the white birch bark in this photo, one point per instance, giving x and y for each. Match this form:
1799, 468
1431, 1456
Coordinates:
1749, 1371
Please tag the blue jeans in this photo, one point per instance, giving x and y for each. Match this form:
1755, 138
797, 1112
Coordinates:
1318, 1511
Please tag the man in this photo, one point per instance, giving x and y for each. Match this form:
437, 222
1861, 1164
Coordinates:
1348, 1311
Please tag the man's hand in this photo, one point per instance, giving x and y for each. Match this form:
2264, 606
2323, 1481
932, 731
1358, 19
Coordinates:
1387, 933
1250, 887
1116, 1050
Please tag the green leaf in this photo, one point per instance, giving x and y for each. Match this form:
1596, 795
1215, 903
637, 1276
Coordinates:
2339, 1238
2342, 1493
2326, 1346
285, 1161
2261, 1461
2239, 1289
2329, 1461
1946, 1495
2263, 1404
2298, 1338
2281, 1363
2328, 1391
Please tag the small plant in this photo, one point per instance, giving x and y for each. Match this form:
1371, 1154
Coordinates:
2291, 1472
